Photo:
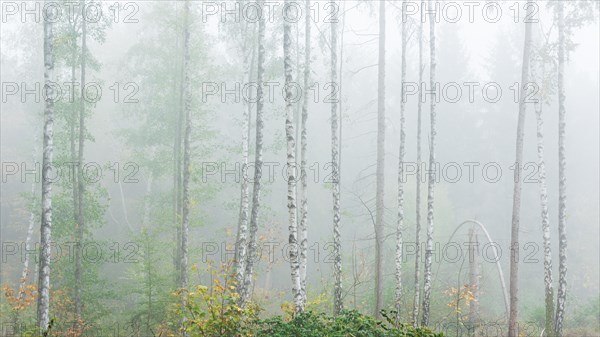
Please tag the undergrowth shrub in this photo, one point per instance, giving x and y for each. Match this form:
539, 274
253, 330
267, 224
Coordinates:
347, 324
214, 311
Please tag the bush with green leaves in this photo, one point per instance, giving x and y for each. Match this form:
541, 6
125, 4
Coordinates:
349, 323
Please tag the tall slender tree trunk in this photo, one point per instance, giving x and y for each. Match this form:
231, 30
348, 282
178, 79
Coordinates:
417, 295
241, 244
562, 177
513, 329
303, 149
431, 175
549, 291
380, 171
72, 135
74, 155
43, 305
298, 129
187, 106
337, 237
258, 163
400, 220
291, 162
28, 238
340, 93
548, 279
177, 169
80, 182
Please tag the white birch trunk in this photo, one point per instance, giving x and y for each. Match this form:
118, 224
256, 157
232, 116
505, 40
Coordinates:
303, 152
241, 244
431, 176
548, 283
417, 295
562, 177
338, 305
43, 305
258, 163
549, 290
400, 220
28, 238
291, 163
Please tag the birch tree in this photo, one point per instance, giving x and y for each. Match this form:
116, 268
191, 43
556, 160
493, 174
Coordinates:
431, 173
241, 244
400, 220
337, 237
541, 78
43, 304
258, 163
548, 286
291, 161
562, 177
417, 281
514, 262
29, 236
380, 170
303, 149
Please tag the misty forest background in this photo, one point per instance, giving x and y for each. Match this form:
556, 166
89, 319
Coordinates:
171, 145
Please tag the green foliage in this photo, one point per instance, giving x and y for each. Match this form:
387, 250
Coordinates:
149, 281
215, 311
349, 323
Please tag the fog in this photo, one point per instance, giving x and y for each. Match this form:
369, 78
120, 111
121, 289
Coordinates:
140, 89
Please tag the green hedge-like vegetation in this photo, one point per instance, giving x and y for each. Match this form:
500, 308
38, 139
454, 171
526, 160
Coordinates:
347, 324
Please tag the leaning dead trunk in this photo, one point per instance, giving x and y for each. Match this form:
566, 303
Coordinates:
43, 305
25, 272
258, 163
474, 275
513, 330
562, 177
380, 171
431, 177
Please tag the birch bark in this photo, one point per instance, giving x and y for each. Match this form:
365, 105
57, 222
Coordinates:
431, 176
258, 163
562, 177
43, 305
